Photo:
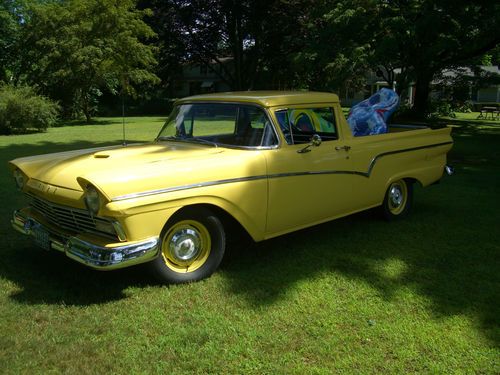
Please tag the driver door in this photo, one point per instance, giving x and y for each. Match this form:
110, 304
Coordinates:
308, 185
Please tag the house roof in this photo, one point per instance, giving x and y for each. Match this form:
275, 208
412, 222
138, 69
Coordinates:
491, 68
266, 98
463, 70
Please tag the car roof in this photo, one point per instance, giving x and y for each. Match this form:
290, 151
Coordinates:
266, 98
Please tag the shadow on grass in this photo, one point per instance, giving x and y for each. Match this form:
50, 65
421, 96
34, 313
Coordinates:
447, 247
446, 253
472, 128
49, 277
84, 122
464, 123
475, 145
28, 149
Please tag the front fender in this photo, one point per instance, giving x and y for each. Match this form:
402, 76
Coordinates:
245, 201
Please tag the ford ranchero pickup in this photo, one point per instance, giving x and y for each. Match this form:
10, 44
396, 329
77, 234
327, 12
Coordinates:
272, 162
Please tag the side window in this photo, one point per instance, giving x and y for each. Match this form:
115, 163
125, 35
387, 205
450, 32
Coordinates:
299, 124
253, 128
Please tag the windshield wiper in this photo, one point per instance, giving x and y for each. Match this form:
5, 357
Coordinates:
188, 140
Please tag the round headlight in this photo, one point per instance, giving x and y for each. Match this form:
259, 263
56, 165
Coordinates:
19, 178
92, 199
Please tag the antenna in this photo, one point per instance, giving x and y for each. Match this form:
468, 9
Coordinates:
124, 143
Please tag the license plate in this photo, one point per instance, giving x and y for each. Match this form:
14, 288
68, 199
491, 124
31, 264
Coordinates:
41, 237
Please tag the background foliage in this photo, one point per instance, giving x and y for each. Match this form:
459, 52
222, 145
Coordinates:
78, 52
73, 50
21, 110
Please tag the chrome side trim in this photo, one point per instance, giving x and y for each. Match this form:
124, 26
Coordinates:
278, 175
374, 160
186, 187
311, 173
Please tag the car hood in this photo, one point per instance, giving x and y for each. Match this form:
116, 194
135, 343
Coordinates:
121, 170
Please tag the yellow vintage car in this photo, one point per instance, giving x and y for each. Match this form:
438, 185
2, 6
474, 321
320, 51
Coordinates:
271, 162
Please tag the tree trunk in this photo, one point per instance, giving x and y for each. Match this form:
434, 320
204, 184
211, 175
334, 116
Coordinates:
86, 109
422, 91
88, 117
236, 40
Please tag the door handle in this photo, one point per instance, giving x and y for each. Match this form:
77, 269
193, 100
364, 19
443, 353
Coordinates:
346, 148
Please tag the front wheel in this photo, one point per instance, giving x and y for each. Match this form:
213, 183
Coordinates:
398, 200
192, 247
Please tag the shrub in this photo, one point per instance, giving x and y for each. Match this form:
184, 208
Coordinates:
21, 110
442, 108
464, 107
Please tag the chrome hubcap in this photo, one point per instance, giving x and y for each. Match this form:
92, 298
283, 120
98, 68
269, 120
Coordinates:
396, 196
185, 245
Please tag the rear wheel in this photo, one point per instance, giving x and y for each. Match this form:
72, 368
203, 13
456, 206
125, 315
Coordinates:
192, 247
398, 200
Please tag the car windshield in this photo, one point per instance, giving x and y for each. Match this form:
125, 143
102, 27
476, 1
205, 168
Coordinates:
219, 124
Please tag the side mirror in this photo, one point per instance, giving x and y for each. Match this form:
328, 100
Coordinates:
315, 141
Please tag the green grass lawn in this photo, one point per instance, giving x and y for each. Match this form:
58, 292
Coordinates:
356, 295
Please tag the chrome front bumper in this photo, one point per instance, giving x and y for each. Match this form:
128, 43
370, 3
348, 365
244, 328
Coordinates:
111, 256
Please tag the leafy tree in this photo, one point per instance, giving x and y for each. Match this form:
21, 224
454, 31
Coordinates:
319, 45
425, 36
257, 36
345, 39
73, 49
338, 43
9, 33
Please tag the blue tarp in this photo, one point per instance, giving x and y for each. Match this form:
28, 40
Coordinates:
370, 116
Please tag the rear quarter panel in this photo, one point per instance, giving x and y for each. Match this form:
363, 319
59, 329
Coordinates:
414, 154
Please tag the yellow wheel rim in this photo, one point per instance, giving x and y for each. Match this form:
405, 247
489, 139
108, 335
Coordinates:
186, 246
397, 196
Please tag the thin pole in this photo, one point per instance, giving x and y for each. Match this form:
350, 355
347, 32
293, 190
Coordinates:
123, 120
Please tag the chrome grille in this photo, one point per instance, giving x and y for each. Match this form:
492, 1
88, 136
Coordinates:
72, 219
